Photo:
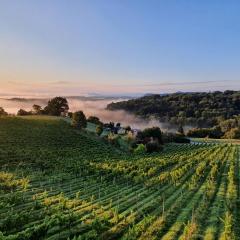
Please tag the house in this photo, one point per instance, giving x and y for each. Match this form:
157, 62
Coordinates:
121, 131
135, 131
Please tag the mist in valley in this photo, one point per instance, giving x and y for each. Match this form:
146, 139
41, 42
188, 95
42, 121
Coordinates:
91, 107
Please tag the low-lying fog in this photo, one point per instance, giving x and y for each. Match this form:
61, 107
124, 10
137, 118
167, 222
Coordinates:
90, 106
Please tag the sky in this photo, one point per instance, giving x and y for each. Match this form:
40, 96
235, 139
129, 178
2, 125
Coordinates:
120, 47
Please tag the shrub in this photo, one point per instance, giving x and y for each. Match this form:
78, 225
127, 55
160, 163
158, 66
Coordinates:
99, 129
79, 120
214, 132
153, 146
129, 137
140, 149
128, 129
177, 138
233, 133
95, 120
132, 146
180, 139
154, 132
22, 112
113, 139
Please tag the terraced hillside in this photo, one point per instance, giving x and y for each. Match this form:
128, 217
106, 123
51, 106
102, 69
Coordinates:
58, 183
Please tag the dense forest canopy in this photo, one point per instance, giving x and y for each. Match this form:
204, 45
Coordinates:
198, 109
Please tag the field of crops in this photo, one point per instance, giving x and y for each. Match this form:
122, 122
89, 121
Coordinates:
58, 183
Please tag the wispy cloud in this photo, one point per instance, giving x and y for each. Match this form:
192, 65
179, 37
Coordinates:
178, 83
61, 83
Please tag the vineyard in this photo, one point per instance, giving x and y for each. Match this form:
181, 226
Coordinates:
59, 183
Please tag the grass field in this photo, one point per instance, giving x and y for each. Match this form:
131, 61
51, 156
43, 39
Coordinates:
59, 183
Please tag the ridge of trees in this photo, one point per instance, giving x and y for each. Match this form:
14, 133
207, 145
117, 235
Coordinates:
56, 107
198, 109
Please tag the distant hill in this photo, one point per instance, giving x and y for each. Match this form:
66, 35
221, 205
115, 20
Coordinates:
82, 98
199, 109
20, 99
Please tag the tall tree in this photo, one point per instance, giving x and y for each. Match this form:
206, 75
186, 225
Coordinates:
57, 106
2, 112
37, 109
79, 120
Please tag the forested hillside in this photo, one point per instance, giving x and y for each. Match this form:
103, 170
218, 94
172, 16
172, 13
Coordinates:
198, 109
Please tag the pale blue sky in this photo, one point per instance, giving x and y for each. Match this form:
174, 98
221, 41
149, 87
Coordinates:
128, 46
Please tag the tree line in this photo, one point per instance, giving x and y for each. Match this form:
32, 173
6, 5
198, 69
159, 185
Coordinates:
55, 107
196, 109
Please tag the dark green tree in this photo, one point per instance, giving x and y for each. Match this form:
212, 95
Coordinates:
127, 129
95, 120
154, 132
79, 120
37, 109
57, 106
153, 146
2, 112
22, 112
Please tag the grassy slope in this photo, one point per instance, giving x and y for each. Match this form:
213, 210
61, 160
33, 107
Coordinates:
29, 141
